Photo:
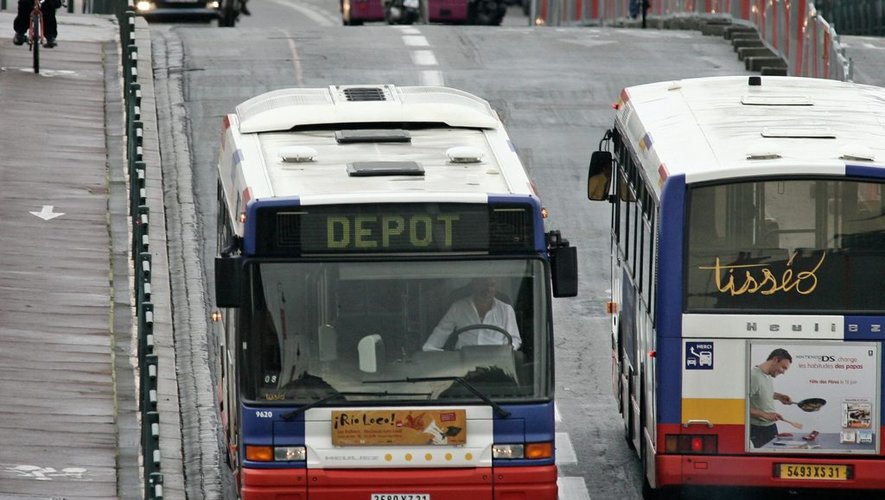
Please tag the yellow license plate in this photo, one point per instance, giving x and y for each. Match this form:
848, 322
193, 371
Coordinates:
813, 472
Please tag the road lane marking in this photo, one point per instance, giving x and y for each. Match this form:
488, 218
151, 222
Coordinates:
565, 452
412, 37
432, 78
424, 58
296, 61
415, 41
572, 488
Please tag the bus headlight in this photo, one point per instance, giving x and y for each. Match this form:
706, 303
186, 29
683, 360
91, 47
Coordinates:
275, 453
289, 453
144, 6
531, 451
508, 451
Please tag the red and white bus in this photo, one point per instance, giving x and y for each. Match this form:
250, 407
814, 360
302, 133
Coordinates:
350, 219
748, 280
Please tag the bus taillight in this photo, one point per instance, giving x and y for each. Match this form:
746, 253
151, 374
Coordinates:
692, 443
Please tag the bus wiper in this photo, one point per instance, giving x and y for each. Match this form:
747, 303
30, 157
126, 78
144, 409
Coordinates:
331, 397
342, 395
467, 385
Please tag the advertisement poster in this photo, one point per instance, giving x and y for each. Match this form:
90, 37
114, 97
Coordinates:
818, 397
399, 427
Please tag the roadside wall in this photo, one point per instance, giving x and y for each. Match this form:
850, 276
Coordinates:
793, 29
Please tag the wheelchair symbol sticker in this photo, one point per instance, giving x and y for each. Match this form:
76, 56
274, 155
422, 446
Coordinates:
698, 355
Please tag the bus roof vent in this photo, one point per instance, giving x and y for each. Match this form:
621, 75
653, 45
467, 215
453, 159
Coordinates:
298, 154
364, 93
382, 168
372, 135
763, 155
464, 154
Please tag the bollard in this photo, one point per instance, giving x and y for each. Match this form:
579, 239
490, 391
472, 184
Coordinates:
148, 384
156, 486
150, 442
135, 136
145, 331
130, 66
143, 278
137, 187
135, 100
140, 228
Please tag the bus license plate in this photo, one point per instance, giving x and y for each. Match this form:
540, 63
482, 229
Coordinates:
400, 496
813, 472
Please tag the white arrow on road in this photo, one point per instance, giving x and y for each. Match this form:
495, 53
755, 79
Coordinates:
47, 213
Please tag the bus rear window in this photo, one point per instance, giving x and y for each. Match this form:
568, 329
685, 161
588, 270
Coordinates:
792, 245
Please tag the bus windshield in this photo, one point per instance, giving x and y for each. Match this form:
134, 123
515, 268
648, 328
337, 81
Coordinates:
791, 245
361, 331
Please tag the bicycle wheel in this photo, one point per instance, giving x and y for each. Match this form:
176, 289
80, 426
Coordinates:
36, 28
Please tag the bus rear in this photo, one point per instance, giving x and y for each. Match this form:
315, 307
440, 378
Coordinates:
748, 280
772, 375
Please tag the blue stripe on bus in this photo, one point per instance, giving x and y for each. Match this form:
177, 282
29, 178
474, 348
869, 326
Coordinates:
249, 243
538, 222
670, 272
669, 301
865, 328
876, 172
532, 423
668, 356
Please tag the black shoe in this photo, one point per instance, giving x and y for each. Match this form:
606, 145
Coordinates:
244, 10
50, 42
19, 39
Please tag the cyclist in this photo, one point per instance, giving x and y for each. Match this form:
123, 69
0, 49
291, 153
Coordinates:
23, 20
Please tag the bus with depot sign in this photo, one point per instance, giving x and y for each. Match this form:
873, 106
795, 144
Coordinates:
748, 280
384, 283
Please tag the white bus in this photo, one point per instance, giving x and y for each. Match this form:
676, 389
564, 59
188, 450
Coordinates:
748, 280
385, 280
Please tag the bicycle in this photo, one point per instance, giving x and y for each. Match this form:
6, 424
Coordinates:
37, 30
35, 33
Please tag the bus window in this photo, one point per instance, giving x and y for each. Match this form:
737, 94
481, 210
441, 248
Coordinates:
829, 253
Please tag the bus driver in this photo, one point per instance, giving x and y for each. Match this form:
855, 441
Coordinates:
481, 307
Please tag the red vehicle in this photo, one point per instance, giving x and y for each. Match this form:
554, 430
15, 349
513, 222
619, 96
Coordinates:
447, 11
356, 12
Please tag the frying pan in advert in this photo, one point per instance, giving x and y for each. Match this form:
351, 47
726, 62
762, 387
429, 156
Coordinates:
810, 404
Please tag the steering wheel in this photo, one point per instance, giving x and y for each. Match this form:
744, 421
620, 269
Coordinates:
458, 331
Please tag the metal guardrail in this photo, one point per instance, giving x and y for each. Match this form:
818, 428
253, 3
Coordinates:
794, 29
140, 214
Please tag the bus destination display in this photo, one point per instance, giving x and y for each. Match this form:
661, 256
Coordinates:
395, 228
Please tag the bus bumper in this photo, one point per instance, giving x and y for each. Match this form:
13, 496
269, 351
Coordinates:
501, 483
759, 471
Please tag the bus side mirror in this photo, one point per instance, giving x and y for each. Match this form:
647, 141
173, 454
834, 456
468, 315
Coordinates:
599, 177
228, 277
563, 265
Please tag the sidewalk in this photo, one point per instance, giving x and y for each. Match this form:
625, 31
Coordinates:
68, 414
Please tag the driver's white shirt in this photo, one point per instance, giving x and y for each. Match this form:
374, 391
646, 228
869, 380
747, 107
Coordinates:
463, 313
